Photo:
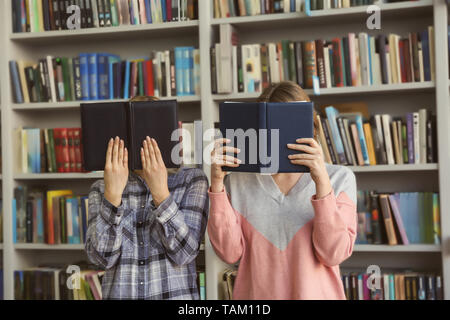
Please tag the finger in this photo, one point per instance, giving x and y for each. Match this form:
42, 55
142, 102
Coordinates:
125, 158
307, 163
146, 153
230, 164
223, 150
115, 151
302, 156
121, 146
143, 160
221, 159
151, 151
157, 152
312, 142
109, 152
220, 142
304, 148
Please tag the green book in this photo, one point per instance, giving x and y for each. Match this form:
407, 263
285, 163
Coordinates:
72, 79
285, 49
405, 143
87, 290
37, 83
140, 79
436, 220
292, 67
51, 141
114, 17
66, 79
36, 15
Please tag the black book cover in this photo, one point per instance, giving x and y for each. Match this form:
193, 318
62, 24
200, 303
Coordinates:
213, 70
46, 13
132, 122
77, 78
29, 221
347, 70
101, 12
285, 121
240, 72
62, 14
175, 10
107, 8
81, 5
88, 13
16, 13
381, 44
173, 86
56, 14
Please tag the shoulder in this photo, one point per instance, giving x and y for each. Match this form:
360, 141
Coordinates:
189, 176
98, 186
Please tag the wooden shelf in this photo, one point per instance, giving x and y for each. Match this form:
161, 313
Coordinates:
375, 89
390, 10
59, 176
396, 168
76, 104
166, 29
44, 246
398, 248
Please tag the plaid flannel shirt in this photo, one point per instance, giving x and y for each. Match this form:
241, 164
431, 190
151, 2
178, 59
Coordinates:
149, 252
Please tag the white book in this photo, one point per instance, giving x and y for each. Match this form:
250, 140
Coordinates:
416, 134
51, 77
360, 289
32, 17
298, 5
228, 38
364, 58
398, 64
219, 69
69, 221
421, 68
274, 66
154, 13
386, 286
386, 119
393, 58
94, 8
287, 6
256, 6
423, 135
234, 68
326, 57
167, 71
432, 52
345, 3
376, 69
155, 74
159, 71
326, 4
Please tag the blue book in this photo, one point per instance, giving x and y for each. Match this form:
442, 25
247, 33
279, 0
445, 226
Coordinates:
421, 217
93, 76
84, 75
74, 235
103, 77
292, 9
185, 70
40, 220
248, 7
132, 18
178, 71
370, 59
332, 115
362, 139
274, 125
14, 220
164, 10
17, 87
191, 90
84, 217
426, 55
391, 287
126, 85
148, 11
409, 210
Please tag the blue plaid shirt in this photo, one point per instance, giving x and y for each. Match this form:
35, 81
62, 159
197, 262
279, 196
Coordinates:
149, 252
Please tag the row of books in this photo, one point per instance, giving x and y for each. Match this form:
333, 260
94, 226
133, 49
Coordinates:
239, 8
52, 217
47, 15
57, 283
201, 284
398, 218
49, 150
350, 61
227, 283
349, 136
395, 285
98, 76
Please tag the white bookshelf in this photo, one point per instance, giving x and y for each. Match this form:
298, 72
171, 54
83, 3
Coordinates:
130, 41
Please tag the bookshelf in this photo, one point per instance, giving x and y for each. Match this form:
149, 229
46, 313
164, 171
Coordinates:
132, 41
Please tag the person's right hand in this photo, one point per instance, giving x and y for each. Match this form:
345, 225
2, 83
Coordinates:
219, 158
116, 171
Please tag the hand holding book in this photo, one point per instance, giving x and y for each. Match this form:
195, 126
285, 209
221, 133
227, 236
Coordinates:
219, 158
311, 156
116, 171
154, 171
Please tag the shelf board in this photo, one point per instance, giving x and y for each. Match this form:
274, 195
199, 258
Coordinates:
403, 9
76, 104
44, 246
396, 167
375, 89
59, 176
108, 33
397, 248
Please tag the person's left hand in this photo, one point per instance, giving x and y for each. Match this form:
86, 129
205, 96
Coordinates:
313, 159
154, 170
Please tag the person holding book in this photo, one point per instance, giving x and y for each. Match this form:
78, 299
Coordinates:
288, 231
145, 227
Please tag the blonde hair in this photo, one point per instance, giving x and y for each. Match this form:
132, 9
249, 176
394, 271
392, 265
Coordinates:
287, 91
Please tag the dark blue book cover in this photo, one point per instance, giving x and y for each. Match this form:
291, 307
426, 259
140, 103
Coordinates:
284, 123
426, 55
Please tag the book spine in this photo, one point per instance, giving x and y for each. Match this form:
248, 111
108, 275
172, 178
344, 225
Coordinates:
17, 88
337, 63
320, 64
299, 63
329, 142
309, 63
332, 115
362, 139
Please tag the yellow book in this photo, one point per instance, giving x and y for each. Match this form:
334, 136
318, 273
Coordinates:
21, 65
370, 147
40, 16
51, 214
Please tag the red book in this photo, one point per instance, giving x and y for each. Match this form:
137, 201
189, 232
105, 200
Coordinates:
65, 158
70, 139
337, 62
402, 60
407, 54
77, 144
148, 67
309, 62
169, 10
58, 150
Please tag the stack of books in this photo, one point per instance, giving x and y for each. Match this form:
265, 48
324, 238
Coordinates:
99, 76
349, 136
50, 150
398, 218
51, 283
52, 217
394, 285
46, 15
350, 61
